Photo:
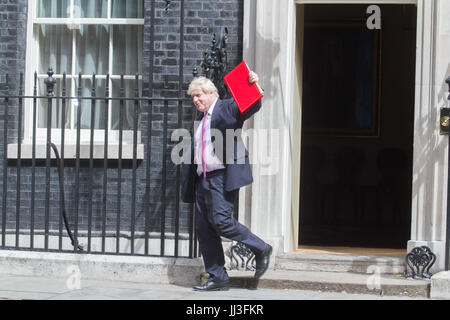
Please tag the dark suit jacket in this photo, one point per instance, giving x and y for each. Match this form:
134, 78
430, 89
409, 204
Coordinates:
226, 115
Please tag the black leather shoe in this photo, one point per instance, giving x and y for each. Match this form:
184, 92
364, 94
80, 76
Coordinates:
211, 285
262, 261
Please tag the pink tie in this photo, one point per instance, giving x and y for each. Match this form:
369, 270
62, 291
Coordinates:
204, 145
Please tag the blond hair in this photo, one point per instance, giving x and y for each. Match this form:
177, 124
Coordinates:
204, 84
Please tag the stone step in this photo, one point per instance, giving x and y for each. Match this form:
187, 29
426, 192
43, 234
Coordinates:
377, 284
300, 261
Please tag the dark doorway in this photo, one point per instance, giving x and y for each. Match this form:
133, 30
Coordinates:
357, 126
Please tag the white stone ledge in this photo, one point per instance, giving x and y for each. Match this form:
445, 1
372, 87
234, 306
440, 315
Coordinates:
70, 151
180, 271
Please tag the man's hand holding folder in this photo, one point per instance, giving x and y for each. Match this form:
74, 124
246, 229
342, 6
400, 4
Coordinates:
243, 85
253, 77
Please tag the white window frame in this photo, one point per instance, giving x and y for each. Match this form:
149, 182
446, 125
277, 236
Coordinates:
32, 58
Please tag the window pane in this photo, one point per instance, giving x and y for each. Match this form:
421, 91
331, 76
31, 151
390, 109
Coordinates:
127, 9
86, 105
127, 48
128, 105
56, 105
92, 49
53, 8
55, 49
90, 8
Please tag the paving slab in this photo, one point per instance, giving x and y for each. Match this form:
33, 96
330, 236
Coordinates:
440, 285
43, 288
377, 284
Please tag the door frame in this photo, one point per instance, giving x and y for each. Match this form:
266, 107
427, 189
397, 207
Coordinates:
296, 89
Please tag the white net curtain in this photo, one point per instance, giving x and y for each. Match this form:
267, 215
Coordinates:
85, 38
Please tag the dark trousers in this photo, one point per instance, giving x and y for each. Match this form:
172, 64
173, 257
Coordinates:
214, 218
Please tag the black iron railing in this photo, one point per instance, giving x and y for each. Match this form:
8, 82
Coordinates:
108, 204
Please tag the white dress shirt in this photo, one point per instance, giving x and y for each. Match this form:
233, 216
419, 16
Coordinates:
212, 161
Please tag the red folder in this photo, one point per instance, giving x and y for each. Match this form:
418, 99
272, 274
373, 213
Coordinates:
244, 93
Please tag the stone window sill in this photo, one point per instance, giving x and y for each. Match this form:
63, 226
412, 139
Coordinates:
70, 151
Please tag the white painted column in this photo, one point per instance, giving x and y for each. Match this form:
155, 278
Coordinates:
429, 196
268, 41
443, 72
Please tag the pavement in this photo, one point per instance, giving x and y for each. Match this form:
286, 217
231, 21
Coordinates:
104, 297
17, 287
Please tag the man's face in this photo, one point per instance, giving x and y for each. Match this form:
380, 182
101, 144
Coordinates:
202, 101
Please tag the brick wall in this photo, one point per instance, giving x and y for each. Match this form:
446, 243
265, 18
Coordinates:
13, 18
202, 18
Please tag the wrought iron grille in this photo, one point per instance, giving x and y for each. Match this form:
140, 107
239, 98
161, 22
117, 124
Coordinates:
419, 262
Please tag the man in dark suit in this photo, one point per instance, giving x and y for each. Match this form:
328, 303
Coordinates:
218, 167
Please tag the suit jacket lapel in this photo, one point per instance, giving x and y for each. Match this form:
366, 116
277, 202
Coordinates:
216, 111
214, 115
199, 116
